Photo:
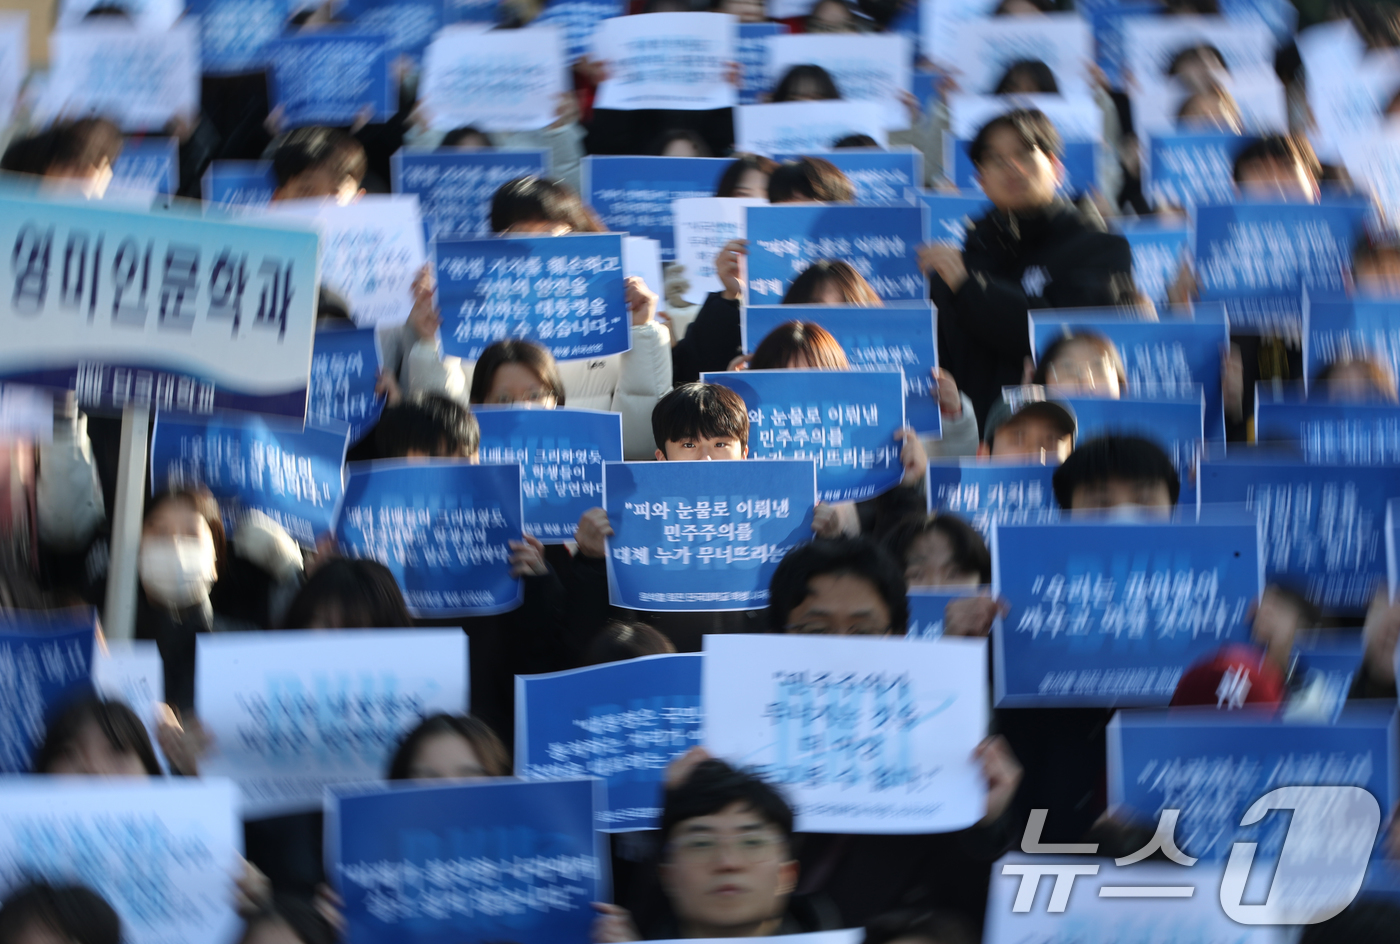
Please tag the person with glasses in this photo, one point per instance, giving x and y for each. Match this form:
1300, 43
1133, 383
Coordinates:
1033, 249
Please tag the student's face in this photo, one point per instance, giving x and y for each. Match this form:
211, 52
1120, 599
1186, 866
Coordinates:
1270, 179
176, 519
748, 11
727, 870
1085, 369
1353, 382
753, 184
1020, 8
930, 563
319, 183
829, 17
806, 89
701, 447
91, 182
1209, 113
271, 932
1378, 274
680, 147
445, 757
840, 605
37, 932
1276, 625
1200, 72
1022, 84
1016, 176
90, 754
1118, 493
538, 228
516, 383
1032, 436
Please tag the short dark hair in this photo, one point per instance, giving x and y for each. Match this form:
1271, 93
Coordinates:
349, 594
1031, 124
456, 136
811, 178
970, 554
850, 283
1114, 458
741, 165
118, 724
528, 354
495, 760
74, 912
935, 927
664, 140
854, 556
1197, 53
799, 338
431, 424
699, 410
318, 148
1366, 921
300, 916
620, 640
712, 786
786, 87
1040, 75
1283, 148
83, 143
855, 141
540, 200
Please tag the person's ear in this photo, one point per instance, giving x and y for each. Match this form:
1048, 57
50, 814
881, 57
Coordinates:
744, 453
787, 877
660, 456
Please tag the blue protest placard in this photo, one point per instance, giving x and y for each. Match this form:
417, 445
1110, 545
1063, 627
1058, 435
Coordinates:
289, 473
881, 177
565, 292
1322, 524
455, 187
879, 242
1347, 433
328, 77
952, 215
634, 194
1392, 546
560, 453
1190, 167
623, 722
45, 659
1338, 328
239, 183
148, 165
1162, 358
1107, 21
409, 24
903, 338
751, 52
442, 526
926, 607
847, 429
344, 371
1157, 255
1177, 425
1212, 765
1080, 159
472, 11
703, 535
984, 491
485, 860
1112, 613
578, 19
233, 33
181, 312
1323, 669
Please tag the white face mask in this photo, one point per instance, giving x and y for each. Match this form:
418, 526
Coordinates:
177, 571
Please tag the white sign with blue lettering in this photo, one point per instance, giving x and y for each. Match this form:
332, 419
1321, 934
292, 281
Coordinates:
141, 79
800, 127
501, 80
676, 61
869, 67
984, 49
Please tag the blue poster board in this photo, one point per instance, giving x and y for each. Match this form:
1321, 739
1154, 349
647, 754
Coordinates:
409, 24
46, 660
985, 491
751, 52
239, 183
455, 187
148, 165
634, 194
344, 371
881, 177
1158, 252
233, 33
926, 608
1186, 168
328, 77
577, 18
1338, 328
1178, 426
1080, 159
1346, 433
952, 215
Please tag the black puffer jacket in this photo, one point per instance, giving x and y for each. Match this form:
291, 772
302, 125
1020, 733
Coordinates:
1059, 257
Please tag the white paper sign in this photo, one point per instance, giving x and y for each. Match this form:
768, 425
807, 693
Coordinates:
1077, 119
642, 257
26, 414
1260, 96
798, 127
162, 852
14, 61
1349, 99
503, 80
139, 78
678, 61
1150, 43
371, 251
864, 734
132, 672
819, 937
703, 225
865, 68
985, 49
1374, 162
148, 14
939, 21
293, 711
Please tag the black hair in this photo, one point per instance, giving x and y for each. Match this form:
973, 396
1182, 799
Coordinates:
712, 786
318, 148
495, 760
1039, 74
854, 289
811, 178
742, 164
1197, 53
1114, 458
1031, 124
431, 424
528, 354
118, 723
855, 141
933, 927
456, 136
83, 144
699, 410
348, 594
854, 556
663, 140
787, 86
1366, 921
1283, 148
300, 916
540, 200
74, 912
1091, 338
621, 640
1044, 6
970, 554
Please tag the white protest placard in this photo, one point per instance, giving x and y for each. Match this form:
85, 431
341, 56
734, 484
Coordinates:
984, 49
1077, 119
703, 225
865, 734
371, 251
162, 852
1150, 44
939, 21
1373, 161
140, 79
148, 14
293, 711
14, 61
641, 257
854, 936
26, 414
1348, 102
679, 61
132, 672
502, 80
865, 67
1260, 96
798, 127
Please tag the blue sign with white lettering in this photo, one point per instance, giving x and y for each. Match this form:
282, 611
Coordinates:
927, 606
1323, 669
903, 338
483, 860
1080, 159
442, 526
751, 52
1213, 764
328, 77
148, 165
703, 535
1337, 328
847, 427
879, 242
1344, 433
634, 194
1322, 524
46, 661
289, 473
1157, 255
1111, 613
985, 491
952, 215
560, 453
565, 292
239, 183
344, 371
1178, 426
578, 19
233, 34
455, 187
1107, 20
881, 177
409, 24
1190, 167
623, 722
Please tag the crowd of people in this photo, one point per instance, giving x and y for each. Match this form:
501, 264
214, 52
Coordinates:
726, 861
